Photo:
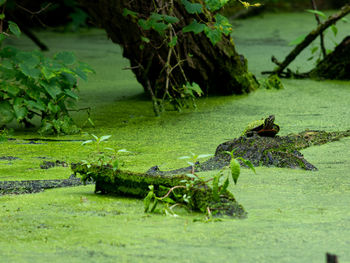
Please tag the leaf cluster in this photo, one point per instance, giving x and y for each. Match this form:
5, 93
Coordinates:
32, 84
220, 184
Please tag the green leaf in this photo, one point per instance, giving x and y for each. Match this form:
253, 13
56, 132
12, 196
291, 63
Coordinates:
87, 142
222, 24
170, 19
247, 163
36, 105
48, 73
81, 73
314, 49
14, 28
128, 12
334, 30
20, 112
214, 35
144, 24
192, 8
297, 41
52, 89
30, 59
195, 87
115, 165
2, 2
65, 57
316, 12
235, 169
214, 5
160, 27
105, 138
173, 42
71, 94
6, 112
194, 27
216, 187
2, 16
54, 108
224, 186
148, 199
11, 90
145, 39
29, 72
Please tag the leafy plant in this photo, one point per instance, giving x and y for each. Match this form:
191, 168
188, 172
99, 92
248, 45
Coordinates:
34, 85
220, 184
99, 156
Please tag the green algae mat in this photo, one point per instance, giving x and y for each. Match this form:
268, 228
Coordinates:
293, 215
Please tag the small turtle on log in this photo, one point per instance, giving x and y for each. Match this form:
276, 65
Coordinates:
265, 128
262, 147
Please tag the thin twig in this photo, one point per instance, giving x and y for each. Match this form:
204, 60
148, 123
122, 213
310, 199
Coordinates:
323, 49
34, 13
172, 189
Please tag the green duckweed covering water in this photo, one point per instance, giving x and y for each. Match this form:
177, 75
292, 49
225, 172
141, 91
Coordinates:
293, 215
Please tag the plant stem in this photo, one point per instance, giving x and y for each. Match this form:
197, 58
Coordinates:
323, 49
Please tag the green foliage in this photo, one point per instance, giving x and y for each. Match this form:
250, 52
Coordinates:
34, 85
102, 156
220, 184
316, 51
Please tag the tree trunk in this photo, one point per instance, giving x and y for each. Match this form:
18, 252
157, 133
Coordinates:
217, 69
335, 65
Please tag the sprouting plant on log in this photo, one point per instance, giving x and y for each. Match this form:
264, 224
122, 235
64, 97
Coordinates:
164, 21
220, 184
102, 155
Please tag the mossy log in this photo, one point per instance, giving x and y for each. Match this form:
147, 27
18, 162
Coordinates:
278, 151
124, 183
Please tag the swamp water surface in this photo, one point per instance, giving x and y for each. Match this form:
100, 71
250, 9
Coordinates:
293, 215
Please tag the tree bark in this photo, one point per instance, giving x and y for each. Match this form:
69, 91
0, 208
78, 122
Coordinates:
216, 69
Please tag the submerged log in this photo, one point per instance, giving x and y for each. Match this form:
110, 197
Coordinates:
278, 151
36, 186
124, 183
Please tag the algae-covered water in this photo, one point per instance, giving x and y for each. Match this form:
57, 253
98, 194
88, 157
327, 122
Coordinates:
293, 215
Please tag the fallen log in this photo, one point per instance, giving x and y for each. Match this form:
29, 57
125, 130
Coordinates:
125, 183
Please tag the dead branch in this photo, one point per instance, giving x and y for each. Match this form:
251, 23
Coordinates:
309, 38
